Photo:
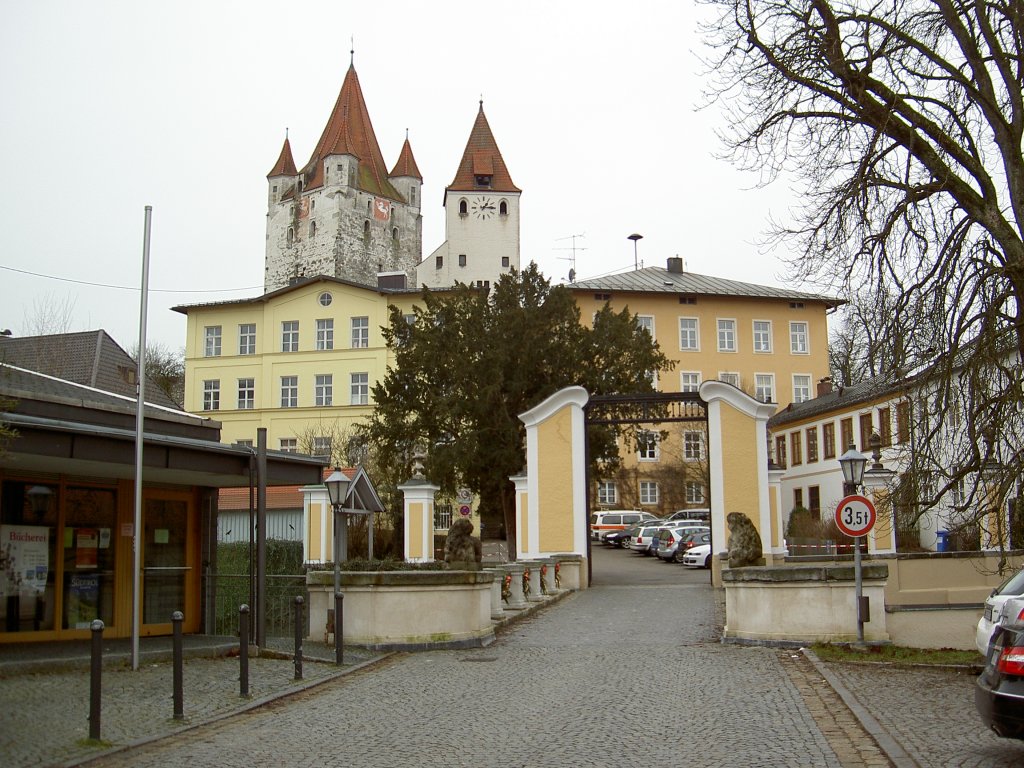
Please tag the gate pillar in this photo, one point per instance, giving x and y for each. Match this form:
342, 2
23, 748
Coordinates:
552, 514
738, 466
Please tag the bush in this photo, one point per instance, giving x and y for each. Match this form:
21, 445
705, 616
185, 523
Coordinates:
284, 558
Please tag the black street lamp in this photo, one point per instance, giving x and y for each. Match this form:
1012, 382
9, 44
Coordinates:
634, 237
337, 491
853, 463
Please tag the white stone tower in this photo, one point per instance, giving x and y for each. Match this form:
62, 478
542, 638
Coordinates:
481, 218
343, 214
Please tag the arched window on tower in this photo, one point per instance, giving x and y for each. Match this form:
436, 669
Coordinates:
291, 235
312, 230
366, 230
503, 208
412, 195
369, 207
394, 235
463, 207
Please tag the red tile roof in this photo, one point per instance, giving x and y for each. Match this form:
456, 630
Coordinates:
285, 165
482, 157
349, 132
406, 165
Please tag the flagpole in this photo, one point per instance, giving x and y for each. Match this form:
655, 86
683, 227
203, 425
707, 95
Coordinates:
139, 421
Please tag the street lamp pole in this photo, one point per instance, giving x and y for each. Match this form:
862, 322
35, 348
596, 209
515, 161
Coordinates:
853, 463
634, 237
337, 490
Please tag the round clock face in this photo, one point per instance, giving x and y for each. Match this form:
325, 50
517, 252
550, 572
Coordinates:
483, 208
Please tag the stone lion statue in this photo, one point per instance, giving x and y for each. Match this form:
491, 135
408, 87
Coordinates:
744, 541
462, 549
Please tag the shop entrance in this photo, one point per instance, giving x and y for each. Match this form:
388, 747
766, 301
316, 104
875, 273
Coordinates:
167, 568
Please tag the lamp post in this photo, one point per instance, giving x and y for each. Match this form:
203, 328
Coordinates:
634, 237
337, 490
853, 463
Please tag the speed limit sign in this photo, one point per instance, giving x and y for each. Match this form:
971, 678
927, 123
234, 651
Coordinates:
855, 515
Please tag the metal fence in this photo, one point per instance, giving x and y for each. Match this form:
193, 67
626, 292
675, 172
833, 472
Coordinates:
229, 591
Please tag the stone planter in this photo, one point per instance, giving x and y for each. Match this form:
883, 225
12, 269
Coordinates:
405, 610
802, 604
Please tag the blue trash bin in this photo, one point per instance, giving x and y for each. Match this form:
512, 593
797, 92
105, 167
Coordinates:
942, 545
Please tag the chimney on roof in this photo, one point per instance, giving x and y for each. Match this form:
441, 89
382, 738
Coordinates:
825, 386
675, 264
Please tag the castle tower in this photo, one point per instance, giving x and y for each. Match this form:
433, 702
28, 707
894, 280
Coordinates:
343, 214
481, 218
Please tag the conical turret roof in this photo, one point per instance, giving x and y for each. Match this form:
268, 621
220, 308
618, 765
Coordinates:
285, 165
349, 132
482, 158
406, 165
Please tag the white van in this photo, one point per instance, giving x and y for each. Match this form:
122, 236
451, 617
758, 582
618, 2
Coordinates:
616, 520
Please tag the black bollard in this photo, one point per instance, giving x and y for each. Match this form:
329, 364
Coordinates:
299, 627
179, 700
243, 651
95, 679
339, 651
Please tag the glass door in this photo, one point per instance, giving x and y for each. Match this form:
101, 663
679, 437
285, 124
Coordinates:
165, 561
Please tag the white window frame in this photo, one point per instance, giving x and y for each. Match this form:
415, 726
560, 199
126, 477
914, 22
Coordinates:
607, 492
211, 394
247, 338
691, 385
288, 445
646, 322
325, 334
359, 388
726, 328
730, 377
322, 445
323, 389
801, 385
246, 394
694, 332
289, 391
693, 445
360, 332
649, 492
648, 445
759, 381
695, 492
799, 340
762, 337
211, 341
289, 335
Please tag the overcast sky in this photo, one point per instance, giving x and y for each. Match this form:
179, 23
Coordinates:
111, 106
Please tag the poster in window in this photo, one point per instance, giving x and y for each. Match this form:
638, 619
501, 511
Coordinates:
24, 559
83, 598
87, 543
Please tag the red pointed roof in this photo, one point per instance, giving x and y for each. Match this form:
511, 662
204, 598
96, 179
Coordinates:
406, 165
349, 132
285, 165
482, 158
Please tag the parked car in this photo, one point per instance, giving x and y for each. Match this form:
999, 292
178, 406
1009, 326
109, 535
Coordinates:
621, 538
647, 539
616, 520
1012, 587
688, 515
999, 689
698, 557
672, 541
691, 540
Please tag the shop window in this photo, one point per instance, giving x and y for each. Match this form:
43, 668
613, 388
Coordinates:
28, 579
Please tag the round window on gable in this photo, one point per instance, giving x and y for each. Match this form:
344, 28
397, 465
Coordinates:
325, 299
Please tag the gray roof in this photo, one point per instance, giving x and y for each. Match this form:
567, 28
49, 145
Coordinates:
661, 280
89, 358
840, 398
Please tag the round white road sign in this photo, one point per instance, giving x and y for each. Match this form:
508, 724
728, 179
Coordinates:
855, 515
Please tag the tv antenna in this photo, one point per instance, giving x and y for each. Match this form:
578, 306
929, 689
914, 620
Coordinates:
573, 247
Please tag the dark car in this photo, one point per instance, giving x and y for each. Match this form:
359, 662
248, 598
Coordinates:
999, 691
623, 537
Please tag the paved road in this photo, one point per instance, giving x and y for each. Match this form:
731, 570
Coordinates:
627, 673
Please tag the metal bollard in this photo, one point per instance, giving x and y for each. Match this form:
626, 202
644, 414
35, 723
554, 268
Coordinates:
339, 624
299, 626
243, 651
179, 702
95, 679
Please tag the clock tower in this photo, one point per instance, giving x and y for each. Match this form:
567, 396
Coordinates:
481, 218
